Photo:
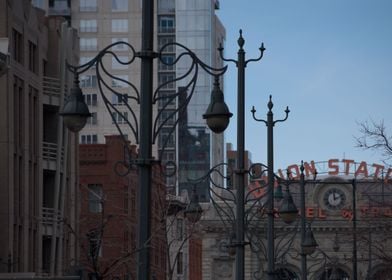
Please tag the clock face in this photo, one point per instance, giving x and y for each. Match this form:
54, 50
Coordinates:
334, 198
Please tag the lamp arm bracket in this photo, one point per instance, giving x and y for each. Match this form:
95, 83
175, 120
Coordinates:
287, 111
255, 118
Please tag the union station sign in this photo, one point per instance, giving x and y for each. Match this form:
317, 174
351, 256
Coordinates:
334, 167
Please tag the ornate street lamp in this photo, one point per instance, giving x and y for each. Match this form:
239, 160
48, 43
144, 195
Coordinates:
217, 114
287, 210
309, 244
75, 111
143, 128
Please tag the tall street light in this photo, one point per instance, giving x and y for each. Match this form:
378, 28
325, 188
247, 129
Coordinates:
145, 130
216, 113
215, 117
287, 210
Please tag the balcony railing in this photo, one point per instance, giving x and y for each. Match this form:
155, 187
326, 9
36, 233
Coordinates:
51, 86
50, 216
49, 151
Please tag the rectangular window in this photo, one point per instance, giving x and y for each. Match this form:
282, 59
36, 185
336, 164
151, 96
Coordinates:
119, 5
119, 99
88, 5
85, 59
95, 198
120, 47
180, 228
166, 80
88, 81
166, 63
166, 100
93, 120
33, 57
117, 65
94, 244
89, 25
180, 268
89, 139
120, 118
118, 82
90, 99
88, 44
17, 46
166, 24
119, 25
163, 40
167, 117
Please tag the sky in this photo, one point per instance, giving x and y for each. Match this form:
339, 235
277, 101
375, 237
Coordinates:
330, 61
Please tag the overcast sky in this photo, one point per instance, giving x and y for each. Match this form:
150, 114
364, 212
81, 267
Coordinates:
330, 61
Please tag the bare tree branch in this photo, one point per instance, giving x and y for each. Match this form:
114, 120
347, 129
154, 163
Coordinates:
374, 136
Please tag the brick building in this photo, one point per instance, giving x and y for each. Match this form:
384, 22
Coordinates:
108, 216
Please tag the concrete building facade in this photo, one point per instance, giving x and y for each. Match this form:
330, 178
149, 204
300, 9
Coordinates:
37, 155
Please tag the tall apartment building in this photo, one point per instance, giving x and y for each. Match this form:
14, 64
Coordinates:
192, 23
37, 155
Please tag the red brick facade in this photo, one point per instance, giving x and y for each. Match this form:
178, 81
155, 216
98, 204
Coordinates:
109, 210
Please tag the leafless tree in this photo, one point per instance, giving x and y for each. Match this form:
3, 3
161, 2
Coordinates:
374, 136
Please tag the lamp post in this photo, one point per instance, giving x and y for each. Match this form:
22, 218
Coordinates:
240, 172
75, 114
270, 123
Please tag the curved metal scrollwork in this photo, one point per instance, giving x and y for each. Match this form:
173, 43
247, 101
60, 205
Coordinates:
116, 91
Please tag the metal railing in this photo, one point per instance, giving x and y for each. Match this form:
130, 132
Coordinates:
50, 216
49, 151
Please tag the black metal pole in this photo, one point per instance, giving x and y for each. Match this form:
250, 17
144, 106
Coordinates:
145, 149
240, 172
354, 205
271, 181
303, 224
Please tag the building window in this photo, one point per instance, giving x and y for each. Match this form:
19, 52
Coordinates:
163, 40
119, 118
119, 99
180, 229
166, 24
120, 47
95, 198
94, 244
167, 80
93, 119
88, 5
180, 268
166, 99
88, 81
119, 81
17, 46
117, 65
119, 25
89, 139
167, 116
166, 139
119, 5
90, 99
85, 59
33, 57
166, 62
88, 44
88, 25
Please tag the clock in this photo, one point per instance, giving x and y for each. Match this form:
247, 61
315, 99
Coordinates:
334, 198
